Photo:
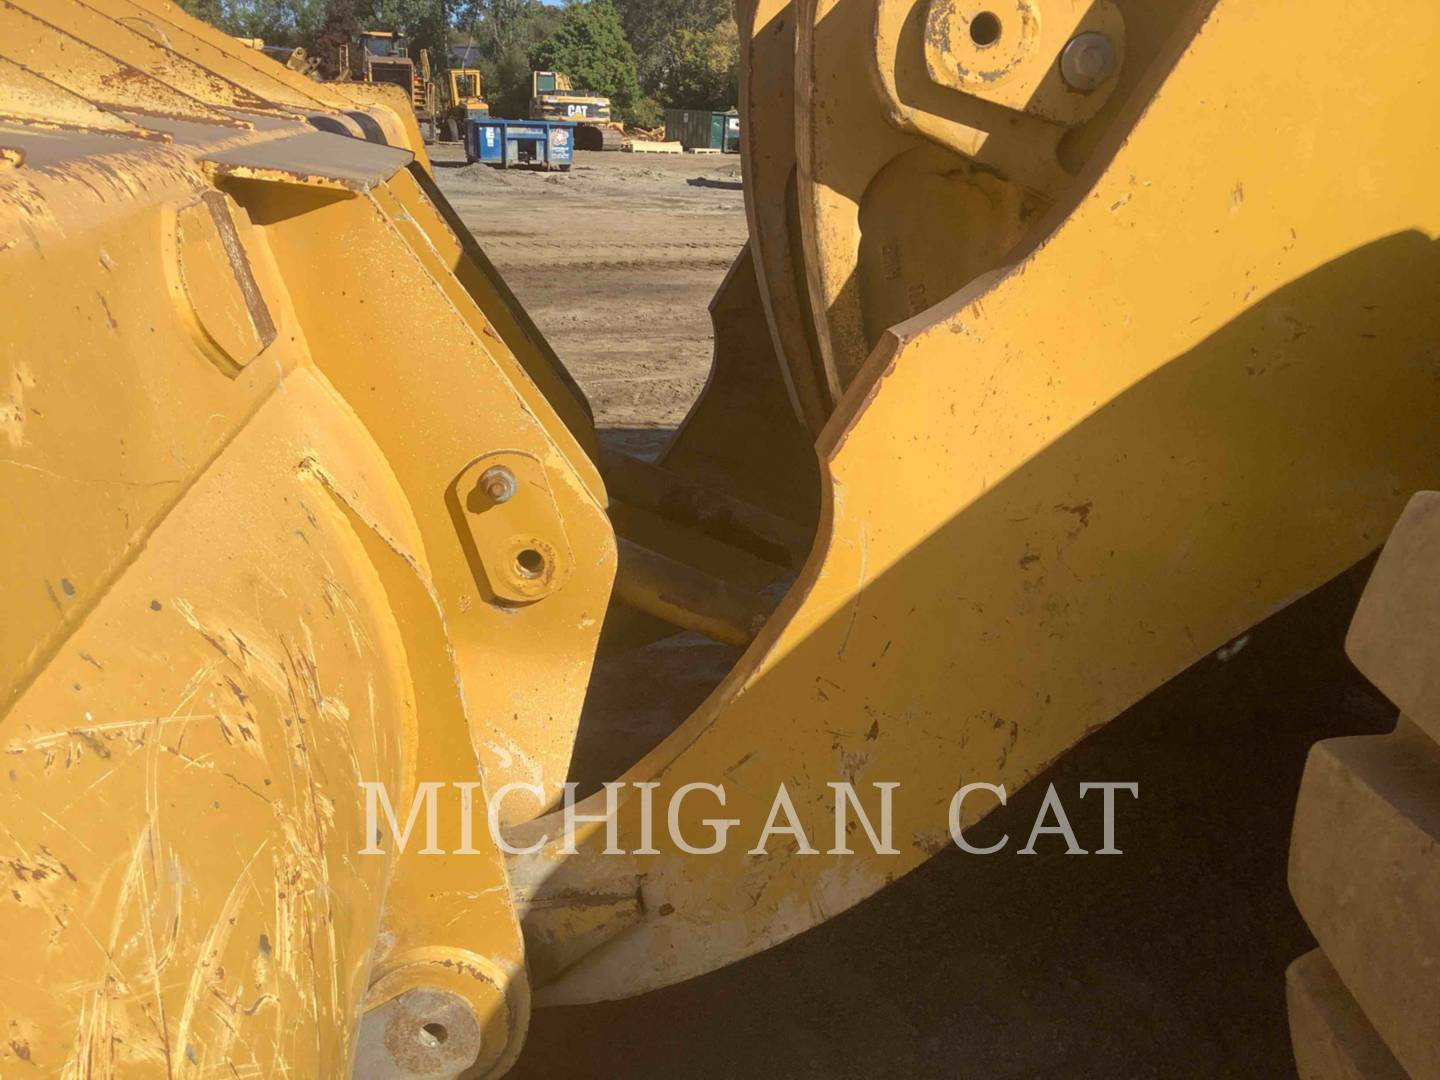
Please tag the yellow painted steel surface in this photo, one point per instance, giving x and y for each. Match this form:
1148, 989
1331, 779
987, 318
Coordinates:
1099, 379
247, 370
1208, 385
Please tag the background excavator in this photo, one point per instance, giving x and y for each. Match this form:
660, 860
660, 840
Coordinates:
1071, 341
553, 97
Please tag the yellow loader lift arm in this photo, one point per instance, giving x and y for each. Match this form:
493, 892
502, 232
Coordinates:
1096, 333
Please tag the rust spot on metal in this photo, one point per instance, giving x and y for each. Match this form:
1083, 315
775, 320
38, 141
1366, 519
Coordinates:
240, 263
1080, 510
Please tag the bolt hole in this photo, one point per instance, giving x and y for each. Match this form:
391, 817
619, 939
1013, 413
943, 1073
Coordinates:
530, 563
985, 29
433, 1035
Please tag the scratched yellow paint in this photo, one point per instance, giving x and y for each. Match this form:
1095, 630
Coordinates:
229, 599
1091, 400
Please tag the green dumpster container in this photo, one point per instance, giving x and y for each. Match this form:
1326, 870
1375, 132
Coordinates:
702, 129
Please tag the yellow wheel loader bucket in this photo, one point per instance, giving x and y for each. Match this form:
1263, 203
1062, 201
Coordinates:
1071, 341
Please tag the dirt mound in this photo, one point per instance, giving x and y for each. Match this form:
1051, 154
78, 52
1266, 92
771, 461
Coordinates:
477, 174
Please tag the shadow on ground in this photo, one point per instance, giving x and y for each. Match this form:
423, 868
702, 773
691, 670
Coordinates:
646, 443
710, 182
1167, 961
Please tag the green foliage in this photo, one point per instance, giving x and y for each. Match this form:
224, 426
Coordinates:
503, 33
700, 69
211, 11
276, 22
496, 25
646, 113
323, 25
425, 22
338, 27
591, 48
683, 55
650, 23
506, 80
429, 28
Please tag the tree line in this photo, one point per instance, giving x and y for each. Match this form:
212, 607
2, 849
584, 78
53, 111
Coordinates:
645, 55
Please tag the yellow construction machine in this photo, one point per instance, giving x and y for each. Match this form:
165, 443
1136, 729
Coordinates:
292, 56
553, 97
384, 57
465, 100
1071, 341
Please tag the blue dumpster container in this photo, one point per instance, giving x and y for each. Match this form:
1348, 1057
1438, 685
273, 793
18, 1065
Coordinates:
549, 144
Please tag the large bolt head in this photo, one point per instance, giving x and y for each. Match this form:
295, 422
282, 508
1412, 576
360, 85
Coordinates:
1087, 61
498, 483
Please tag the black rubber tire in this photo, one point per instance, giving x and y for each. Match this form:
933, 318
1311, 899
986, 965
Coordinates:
1365, 848
1365, 873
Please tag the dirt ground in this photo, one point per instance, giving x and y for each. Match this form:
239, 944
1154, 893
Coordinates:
616, 261
1166, 962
